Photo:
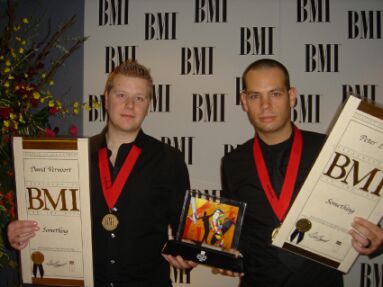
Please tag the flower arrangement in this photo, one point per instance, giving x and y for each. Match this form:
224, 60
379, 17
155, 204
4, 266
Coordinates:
27, 69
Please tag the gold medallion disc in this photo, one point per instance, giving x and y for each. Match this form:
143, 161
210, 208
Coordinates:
109, 222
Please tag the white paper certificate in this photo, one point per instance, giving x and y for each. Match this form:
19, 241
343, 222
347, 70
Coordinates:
345, 181
52, 185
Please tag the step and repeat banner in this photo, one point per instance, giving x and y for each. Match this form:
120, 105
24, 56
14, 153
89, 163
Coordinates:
197, 50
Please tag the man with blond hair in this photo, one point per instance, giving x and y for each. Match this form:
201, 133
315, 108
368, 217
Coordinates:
137, 189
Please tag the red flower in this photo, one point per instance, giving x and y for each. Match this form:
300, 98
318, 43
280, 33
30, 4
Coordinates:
8, 196
5, 112
49, 132
13, 213
34, 102
53, 111
73, 130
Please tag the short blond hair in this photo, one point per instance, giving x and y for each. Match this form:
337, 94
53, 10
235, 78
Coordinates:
130, 68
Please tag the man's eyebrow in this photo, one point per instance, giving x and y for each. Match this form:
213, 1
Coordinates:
277, 90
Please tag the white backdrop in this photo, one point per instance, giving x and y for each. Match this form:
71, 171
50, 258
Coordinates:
197, 50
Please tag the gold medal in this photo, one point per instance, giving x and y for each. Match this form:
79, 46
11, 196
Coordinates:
109, 222
303, 225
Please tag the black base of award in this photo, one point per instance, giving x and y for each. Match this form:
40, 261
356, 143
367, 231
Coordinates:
204, 255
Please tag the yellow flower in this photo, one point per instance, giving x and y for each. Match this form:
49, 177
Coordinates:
36, 95
10, 77
15, 124
12, 116
6, 84
43, 75
16, 28
23, 42
76, 111
21, 50
21, 118
7, 70
8, 63
51, 83
51, 104
75, 104
25, 20
6, 123
96, 105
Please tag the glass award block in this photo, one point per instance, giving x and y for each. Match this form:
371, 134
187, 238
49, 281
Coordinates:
209, 231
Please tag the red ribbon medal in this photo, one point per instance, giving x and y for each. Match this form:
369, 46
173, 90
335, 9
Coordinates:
279, 205
113, 190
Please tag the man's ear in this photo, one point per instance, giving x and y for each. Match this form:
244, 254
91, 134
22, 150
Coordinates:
106, 95
292, 96
243, 101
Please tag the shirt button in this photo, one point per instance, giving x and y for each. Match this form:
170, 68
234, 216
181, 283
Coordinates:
112, 235
112, 261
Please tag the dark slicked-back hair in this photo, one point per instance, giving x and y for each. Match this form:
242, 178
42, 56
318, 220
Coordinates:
130, 68
266, 64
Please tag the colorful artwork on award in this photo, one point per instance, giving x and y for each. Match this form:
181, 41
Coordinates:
210, 222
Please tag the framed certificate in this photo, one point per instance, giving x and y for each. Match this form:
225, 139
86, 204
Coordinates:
209, 227
345, 181
52, 187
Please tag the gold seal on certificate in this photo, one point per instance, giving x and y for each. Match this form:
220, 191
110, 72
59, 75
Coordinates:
303, 225
37, 257
109, 222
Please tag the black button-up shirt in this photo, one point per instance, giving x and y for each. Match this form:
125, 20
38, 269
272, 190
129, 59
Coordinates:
266, 265
151, 199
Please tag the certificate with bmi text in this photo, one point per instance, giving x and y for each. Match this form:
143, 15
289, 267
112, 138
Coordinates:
345, 181
52, 187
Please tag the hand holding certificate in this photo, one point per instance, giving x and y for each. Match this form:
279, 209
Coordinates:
53, 231
346, 181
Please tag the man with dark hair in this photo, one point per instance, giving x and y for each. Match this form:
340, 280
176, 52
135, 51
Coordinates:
138, 187
267, 173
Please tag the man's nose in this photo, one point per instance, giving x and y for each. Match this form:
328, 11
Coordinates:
129, 102
265, 101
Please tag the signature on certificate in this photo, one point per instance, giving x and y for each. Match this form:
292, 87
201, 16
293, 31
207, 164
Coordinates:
316, 236
56, 263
